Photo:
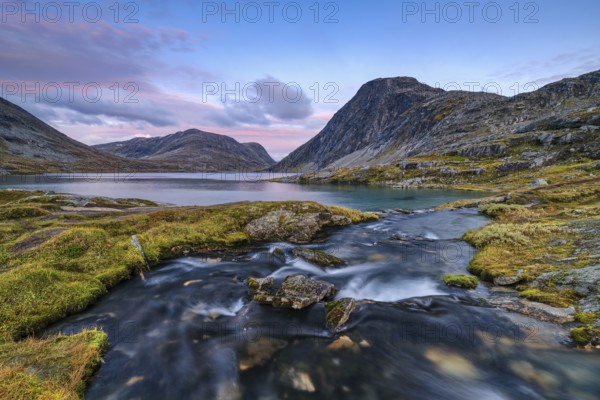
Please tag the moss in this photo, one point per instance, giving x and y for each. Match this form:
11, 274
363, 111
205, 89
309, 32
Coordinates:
495, 210
586, 317
461, 281
21, 212
585, 335
562, 299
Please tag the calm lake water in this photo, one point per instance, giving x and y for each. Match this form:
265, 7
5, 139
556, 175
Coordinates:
217, 188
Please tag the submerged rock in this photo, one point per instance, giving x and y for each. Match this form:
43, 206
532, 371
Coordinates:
338, 312
296, 291
318, 257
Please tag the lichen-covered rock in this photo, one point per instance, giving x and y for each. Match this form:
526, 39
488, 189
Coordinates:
256, 285
585, 281
508, 280
284, 225
296, 291
338, 312
318, 257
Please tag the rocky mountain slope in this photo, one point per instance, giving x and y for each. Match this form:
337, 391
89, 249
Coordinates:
194, 147
28, 144
396, 118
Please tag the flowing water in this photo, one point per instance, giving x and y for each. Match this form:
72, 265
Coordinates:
189, 330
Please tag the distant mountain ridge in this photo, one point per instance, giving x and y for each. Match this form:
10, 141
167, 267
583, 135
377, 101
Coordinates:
26, 142
194, 147
393, 118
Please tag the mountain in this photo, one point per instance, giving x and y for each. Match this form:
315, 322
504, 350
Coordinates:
195, 148
394, 118
28, 145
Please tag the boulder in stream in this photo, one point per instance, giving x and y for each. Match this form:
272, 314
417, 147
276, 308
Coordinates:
296, 291
338, 312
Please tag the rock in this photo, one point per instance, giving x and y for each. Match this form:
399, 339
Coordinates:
508, 280
278, 254
539, 182
545, 138
584, 281
318, 257
284, 225
296, 291
512, 166
540, 311
256, 285
338, 312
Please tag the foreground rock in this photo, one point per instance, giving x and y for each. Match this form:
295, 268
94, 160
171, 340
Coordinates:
318, 257
296, 291
285, 225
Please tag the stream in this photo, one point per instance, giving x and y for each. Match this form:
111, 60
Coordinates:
190, 331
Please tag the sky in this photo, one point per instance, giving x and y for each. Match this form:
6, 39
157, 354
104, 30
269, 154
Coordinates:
272, 72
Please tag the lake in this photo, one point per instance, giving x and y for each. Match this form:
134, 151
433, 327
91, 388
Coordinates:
217, 188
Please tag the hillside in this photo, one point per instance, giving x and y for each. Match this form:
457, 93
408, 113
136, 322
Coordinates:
27, 144
194, 148
392, 119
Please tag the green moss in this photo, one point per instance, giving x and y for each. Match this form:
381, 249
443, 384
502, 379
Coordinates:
495, 210
586, 317
21, 212
461, 281
585, 335
561, 299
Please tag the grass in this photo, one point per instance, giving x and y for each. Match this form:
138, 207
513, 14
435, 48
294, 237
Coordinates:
57, 263
54, 368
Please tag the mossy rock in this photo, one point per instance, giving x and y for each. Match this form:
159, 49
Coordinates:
461, 281
318, 257
338, 312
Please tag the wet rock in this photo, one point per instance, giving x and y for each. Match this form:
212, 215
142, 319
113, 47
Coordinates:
318, 257
296, 291
539, 182
338, 312
278, 254
508, 280
256, 285
533, 309
284, 225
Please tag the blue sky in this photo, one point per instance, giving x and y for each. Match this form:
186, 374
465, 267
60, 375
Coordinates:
158, 67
